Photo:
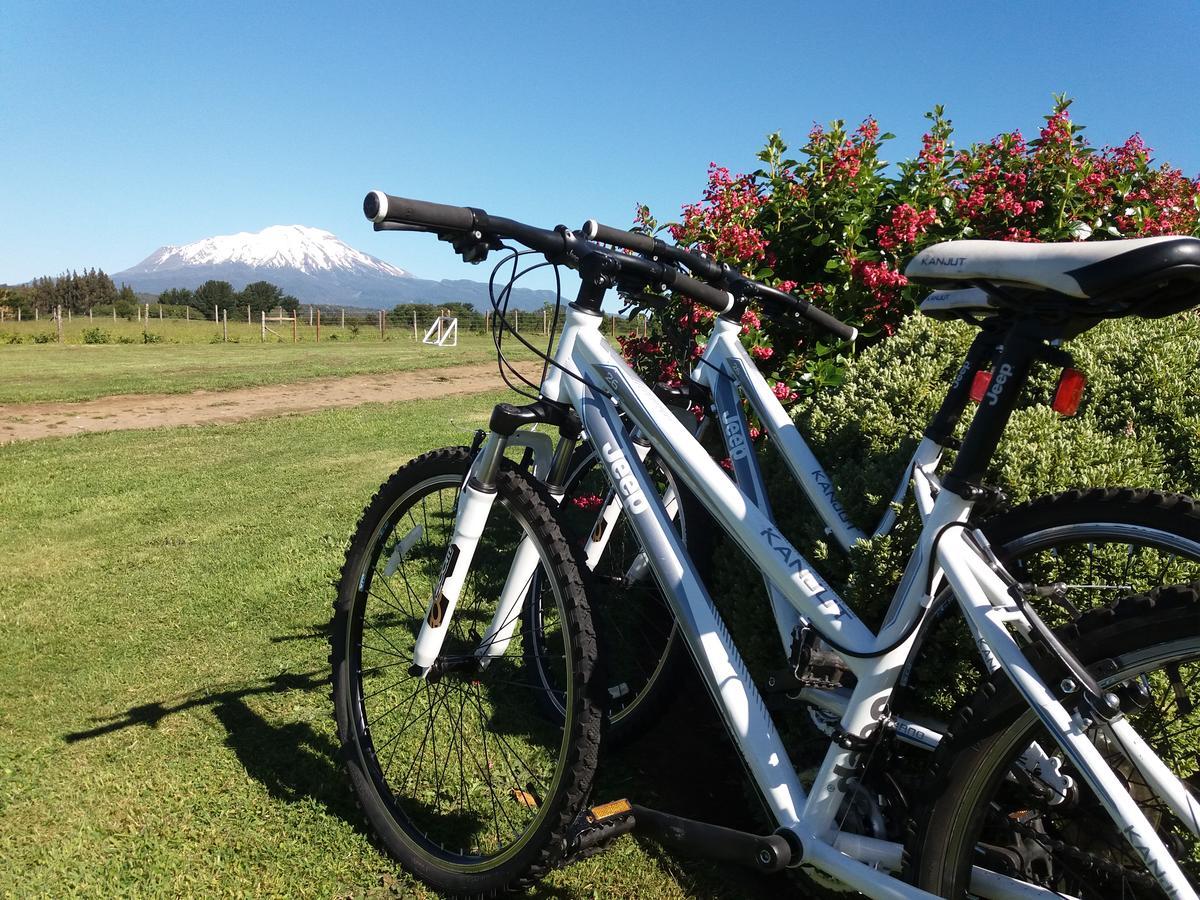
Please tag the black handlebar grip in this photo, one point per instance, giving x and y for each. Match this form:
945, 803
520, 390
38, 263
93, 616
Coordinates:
806, 310
381, 207
629, 240
828, 322
717, 300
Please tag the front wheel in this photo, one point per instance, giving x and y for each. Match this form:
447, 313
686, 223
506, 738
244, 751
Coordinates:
462, 777
644, 653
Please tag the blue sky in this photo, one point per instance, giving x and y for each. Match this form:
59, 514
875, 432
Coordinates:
129, 126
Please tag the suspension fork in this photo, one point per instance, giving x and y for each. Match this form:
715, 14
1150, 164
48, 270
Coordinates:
496, 638
471, 516
474, 505
521, 572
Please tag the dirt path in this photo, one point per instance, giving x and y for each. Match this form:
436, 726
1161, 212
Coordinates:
29, 421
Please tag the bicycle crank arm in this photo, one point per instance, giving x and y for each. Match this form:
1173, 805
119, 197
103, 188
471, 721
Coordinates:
601, 824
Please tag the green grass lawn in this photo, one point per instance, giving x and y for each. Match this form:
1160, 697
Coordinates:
47, 372
164, 700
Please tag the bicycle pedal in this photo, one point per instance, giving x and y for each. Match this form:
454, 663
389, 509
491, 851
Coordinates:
597, 827
810, 666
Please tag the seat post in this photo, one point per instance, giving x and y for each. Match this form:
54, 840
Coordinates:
1022, 347
941, 427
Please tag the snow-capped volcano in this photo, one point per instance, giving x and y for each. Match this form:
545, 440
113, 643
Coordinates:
308, 250
309, 263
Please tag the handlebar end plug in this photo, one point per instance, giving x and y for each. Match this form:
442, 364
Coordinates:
375, 206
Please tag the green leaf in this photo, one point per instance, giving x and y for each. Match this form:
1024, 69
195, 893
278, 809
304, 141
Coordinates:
833, 264
819, 241
887, 136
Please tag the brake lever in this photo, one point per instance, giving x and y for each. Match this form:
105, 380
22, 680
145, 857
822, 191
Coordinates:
400, 226
472, 246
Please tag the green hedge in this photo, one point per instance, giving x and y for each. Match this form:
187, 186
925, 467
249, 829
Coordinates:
1138, 426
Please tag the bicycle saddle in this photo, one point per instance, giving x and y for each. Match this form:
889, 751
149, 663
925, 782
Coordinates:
956, 303
1148, 276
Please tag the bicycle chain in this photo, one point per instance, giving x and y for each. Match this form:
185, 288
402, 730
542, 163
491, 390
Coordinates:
1089, 860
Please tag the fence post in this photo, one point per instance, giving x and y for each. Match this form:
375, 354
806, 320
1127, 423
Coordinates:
146, 318
68, 314
310, 315
224, 326
187, 313
58, 322
318, 326
343, 317
263, 316
247, 315
381, 324
160, 312
517, 320
294, 311
416, 337
90, 319
35, 314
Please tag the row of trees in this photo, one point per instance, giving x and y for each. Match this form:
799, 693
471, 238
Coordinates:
92, 288
428, 311
260, 296
74, 291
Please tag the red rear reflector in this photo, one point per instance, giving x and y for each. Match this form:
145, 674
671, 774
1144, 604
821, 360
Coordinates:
979, 385
1069, 392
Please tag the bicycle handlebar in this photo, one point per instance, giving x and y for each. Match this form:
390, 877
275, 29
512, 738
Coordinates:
380, 207
710, 270
630, 240
560, 244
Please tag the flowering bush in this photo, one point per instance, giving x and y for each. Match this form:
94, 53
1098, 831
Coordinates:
833, 225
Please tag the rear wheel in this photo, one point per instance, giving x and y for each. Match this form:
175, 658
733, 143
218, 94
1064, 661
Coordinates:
462, 777
993, 811
1097, 545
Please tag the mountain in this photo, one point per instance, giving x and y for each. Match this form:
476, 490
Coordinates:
311, 264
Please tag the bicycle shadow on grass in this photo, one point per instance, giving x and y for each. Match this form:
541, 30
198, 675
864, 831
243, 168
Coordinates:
291, 759
150, 714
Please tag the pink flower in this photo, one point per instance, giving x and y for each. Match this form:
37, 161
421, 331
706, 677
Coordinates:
761, 353
906, 224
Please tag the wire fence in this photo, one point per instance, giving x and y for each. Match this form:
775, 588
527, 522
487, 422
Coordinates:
108, 324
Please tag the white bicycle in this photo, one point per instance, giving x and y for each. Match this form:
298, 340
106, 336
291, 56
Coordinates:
1028, 770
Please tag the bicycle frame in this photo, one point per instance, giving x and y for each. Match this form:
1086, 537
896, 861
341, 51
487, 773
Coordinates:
593, 373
